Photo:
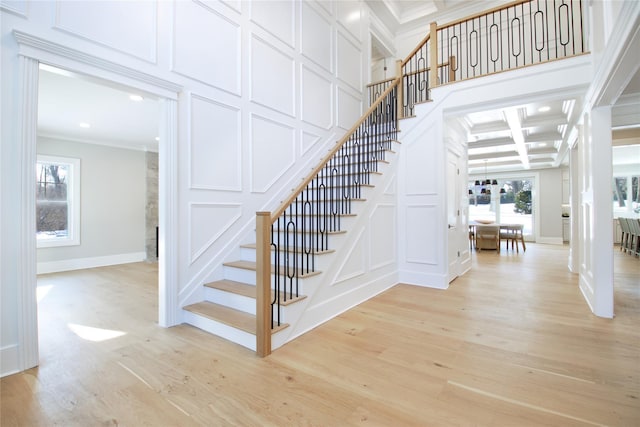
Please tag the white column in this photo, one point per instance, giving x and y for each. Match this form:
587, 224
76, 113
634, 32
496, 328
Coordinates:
596, 269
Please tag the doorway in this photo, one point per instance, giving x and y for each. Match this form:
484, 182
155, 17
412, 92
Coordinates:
167, 93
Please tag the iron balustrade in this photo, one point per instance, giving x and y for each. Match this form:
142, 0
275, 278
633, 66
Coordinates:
513, 36
374, 90
299, 230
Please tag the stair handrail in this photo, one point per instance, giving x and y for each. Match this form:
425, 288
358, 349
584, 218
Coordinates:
265, 220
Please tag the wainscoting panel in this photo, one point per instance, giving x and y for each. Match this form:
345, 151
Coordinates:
421, 167
272, 77
277, 17
355, 263
349, 109
207, 222
382, 247
350, 17
317, 37
349, 63
307, 141
422, 221
317, 99
269, 137
206, 47
215, 147
135, 36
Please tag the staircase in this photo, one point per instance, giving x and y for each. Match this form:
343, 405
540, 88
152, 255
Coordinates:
229, 306
266, 291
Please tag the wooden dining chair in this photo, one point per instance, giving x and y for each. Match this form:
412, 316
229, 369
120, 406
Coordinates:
488, 237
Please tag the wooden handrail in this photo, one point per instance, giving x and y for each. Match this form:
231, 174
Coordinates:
380, 82
417, 48
485, 12
294, 193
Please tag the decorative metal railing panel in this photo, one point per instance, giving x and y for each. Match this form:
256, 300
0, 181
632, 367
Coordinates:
415, 77
517, 35
374, 90
301, 229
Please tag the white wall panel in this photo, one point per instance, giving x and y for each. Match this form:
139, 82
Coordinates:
316, 37
272, 77
128, 27
19, 8
207, 222
308, 140
277, 17
421, 168
350, 16
215, 145
420, 241
382, 247
272, 152
349, 109
354, 264
317, 99
349, 63
233, 4
206, 46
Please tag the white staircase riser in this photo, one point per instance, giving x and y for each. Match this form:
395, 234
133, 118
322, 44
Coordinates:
231, 300
227, 332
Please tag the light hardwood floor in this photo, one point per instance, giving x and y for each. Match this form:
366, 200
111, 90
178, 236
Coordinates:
511, 343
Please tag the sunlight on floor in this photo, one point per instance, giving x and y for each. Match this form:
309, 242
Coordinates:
94, 334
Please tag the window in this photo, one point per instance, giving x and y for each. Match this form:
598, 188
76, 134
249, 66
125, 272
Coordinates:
57, 201
626, 195
506, 201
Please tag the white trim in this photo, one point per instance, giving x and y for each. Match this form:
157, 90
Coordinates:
9, 360
169, 313
34, 47
82, 263
550, 240
28, 313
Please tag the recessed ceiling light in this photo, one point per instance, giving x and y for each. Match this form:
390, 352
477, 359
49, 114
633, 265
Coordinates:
157, 138
543, 144
136, 98
84, 125
544, 109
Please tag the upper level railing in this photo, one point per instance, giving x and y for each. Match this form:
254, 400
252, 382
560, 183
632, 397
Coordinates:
515, 35
288, 240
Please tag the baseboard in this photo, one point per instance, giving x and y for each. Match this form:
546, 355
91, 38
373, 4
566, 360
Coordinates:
550, 240
9, 360
427, 280
81, 263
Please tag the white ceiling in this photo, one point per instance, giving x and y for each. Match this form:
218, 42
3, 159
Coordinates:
66, 99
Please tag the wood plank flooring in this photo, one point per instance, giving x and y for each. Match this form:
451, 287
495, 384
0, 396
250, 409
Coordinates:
511, 343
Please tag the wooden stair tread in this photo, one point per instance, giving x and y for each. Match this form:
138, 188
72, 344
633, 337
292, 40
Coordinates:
246, 290
251, 265
328, 251
234, 318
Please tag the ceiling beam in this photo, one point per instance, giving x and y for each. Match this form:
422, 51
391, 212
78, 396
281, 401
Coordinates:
489, 142
515, 124
543, 137
544, 120
488, 127
489, 156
